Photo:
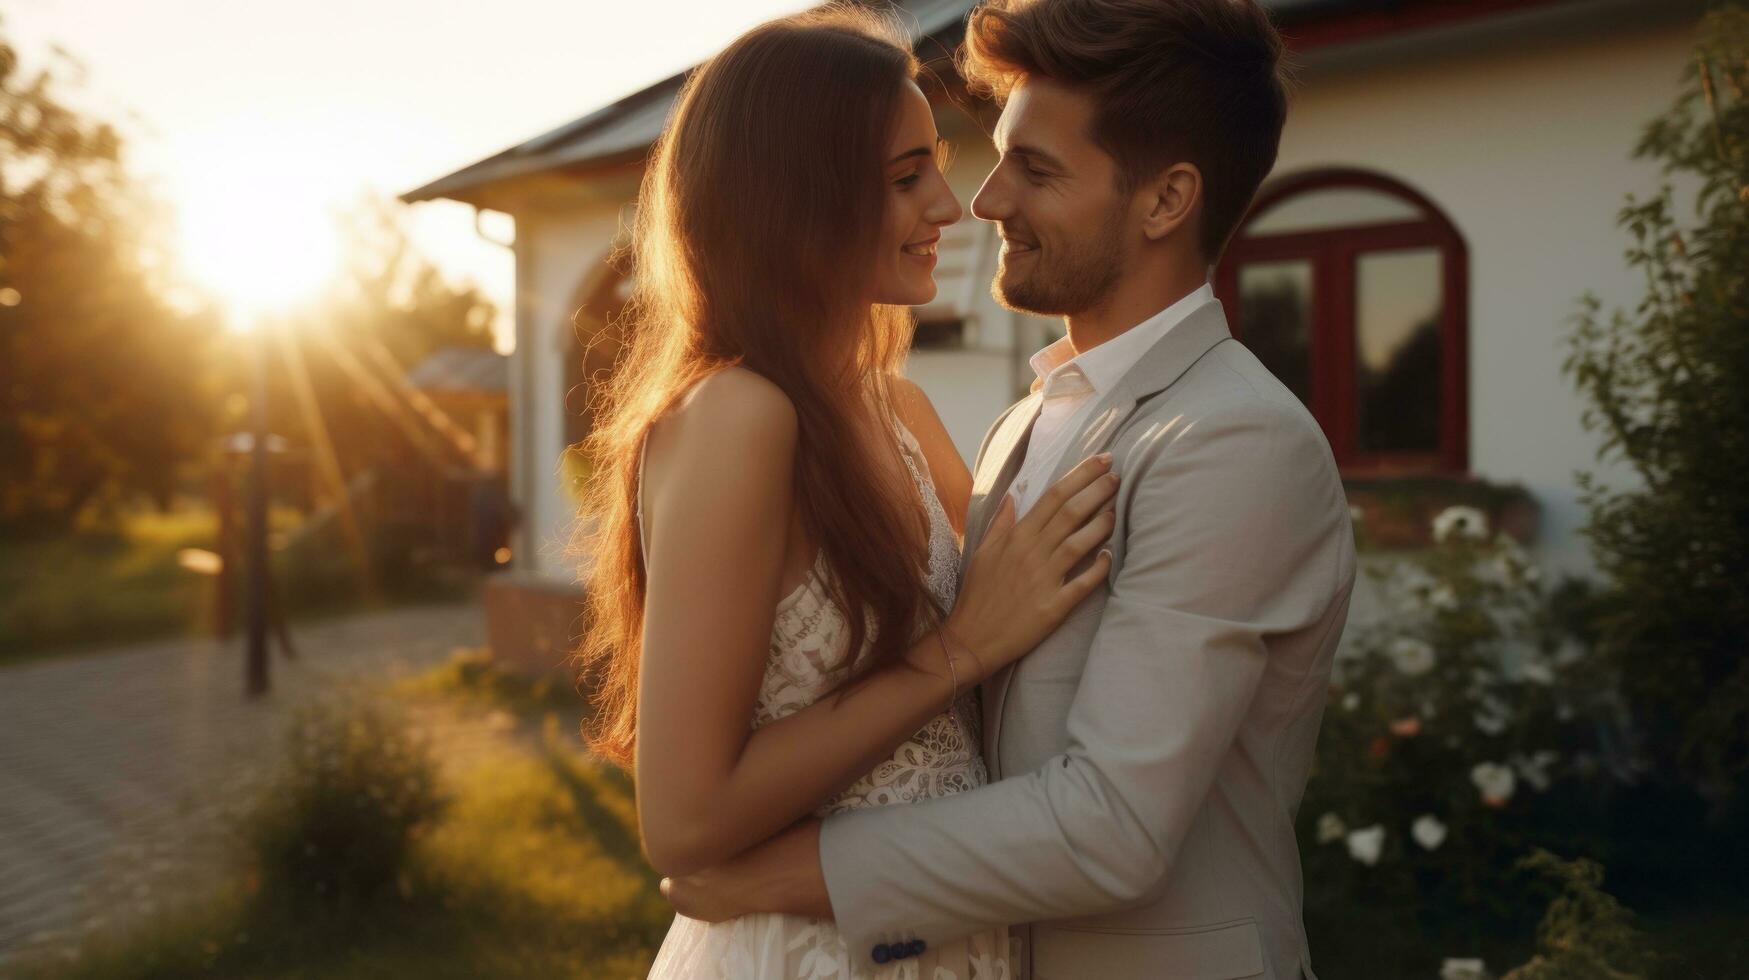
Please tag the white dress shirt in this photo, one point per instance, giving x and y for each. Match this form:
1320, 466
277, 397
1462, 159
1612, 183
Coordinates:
1072, 384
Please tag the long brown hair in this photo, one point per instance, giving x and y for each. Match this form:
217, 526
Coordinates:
760, 213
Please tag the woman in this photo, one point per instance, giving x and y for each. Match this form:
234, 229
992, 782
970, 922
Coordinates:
763, 468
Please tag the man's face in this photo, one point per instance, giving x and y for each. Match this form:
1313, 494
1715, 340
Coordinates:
1054, 195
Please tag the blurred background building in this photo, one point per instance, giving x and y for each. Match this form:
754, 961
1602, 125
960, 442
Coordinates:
1446, 190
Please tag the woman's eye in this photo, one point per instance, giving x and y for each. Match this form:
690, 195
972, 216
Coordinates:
907, 180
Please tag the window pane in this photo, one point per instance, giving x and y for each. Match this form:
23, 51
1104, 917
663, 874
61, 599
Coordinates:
1275, 304
1397, 341
1339, 207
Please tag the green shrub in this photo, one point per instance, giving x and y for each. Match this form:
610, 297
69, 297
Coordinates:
1464, 727
1585, 934
339, 823
1668, 386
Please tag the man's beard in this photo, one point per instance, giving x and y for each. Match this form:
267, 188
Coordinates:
1075, 278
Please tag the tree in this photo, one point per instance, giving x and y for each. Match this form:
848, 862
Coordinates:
101, 397
388, 310
1668, 387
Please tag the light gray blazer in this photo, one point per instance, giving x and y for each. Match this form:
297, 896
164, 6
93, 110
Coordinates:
1149, 756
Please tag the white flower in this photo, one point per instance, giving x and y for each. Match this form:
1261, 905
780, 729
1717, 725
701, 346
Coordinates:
1413, 657
1330, 827
1513, 564
1365, 845
1410, 581
1350, 701
1443, 596
1492, 719
1473, 969
1466, 521
1535, 768
1428, 831
1495, 782
1536, 672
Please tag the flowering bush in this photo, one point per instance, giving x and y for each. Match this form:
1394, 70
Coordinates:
1461, 724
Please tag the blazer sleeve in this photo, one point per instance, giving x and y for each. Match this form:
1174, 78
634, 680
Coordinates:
1235, 531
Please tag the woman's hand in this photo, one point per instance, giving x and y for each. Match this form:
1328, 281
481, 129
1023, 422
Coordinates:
1017, 586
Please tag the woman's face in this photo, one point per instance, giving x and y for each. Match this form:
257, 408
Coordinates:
919, 205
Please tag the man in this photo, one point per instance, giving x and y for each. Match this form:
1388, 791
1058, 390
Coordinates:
1149, 757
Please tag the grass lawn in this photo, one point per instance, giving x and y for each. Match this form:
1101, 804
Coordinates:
533, 870
95, 587
92, 587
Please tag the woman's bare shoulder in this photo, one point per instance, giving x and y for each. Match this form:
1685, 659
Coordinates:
728, 408
735, 400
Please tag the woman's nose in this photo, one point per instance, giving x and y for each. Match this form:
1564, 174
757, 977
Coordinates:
946, 210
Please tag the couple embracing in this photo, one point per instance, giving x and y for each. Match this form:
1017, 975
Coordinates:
1051, 717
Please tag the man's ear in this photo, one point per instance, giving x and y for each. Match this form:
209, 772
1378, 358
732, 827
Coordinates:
1173, 199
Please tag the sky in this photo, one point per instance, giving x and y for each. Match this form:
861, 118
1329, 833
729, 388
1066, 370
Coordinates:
258, 122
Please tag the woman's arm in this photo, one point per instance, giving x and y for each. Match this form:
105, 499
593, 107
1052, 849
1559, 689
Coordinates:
718, 516
948, 470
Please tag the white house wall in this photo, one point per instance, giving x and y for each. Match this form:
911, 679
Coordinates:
558, 249
1527, 149
1524, 143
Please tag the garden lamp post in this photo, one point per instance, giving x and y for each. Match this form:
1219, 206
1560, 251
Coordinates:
255, 673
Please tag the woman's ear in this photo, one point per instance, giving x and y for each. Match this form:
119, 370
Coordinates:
1174, 196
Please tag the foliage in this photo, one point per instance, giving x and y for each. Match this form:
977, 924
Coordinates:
1585, 934
533, 870
338, 363
1464, 727
104, 392
1397, 511
94, 585
338, 827
1668, 387
476, 676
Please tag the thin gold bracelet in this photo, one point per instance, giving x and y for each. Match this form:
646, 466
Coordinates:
953, 669
963, 645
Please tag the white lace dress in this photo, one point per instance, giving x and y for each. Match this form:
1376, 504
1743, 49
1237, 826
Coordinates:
809, 660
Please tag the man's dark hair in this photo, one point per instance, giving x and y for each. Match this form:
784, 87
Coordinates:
1197, 81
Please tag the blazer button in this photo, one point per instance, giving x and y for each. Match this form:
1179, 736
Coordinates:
882, 953
918, 946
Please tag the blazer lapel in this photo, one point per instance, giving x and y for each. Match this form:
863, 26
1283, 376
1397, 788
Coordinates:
996, 470
1156, 370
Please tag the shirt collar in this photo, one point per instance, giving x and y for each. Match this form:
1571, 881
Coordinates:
1103, 366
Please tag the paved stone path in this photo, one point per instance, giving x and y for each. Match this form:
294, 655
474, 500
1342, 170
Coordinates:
117, 769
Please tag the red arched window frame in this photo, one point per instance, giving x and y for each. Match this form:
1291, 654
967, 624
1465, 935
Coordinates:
1332, 254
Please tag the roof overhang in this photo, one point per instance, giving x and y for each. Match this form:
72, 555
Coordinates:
616, 138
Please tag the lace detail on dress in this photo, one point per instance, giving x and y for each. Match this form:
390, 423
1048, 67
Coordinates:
808, 660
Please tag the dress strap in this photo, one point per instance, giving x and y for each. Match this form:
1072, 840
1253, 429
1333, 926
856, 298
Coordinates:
638, 496
915, 459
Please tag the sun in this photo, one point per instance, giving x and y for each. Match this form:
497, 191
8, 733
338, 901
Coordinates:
250, 232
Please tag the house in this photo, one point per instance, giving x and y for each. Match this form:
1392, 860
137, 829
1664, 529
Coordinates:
1446, 191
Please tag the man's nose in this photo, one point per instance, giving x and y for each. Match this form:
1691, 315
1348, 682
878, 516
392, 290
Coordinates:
992, 202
